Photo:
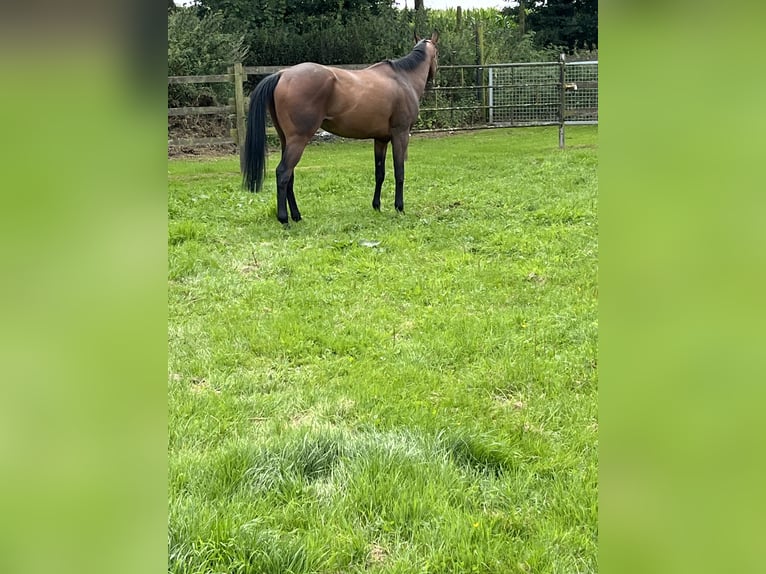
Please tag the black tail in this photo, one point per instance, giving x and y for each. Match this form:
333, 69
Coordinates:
254, 153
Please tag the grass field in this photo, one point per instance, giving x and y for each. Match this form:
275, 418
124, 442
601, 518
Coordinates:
375, 392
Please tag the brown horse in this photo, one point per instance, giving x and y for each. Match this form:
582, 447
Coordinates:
379, 102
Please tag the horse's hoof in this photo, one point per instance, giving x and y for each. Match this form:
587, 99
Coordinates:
376, 207
297, 217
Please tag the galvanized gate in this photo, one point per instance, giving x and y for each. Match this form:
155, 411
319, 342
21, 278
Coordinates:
512, 95
530, 94
536, 94
581, 83
524, 94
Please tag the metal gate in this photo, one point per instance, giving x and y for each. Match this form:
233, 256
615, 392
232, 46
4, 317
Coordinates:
524, 94
530, 94
512, 95
581, 83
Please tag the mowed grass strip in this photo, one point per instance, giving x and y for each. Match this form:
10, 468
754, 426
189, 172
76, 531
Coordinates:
375, 392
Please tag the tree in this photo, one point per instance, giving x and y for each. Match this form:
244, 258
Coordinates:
246, 14
566, 23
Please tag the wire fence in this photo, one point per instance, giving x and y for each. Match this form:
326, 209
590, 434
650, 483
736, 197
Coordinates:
511, 95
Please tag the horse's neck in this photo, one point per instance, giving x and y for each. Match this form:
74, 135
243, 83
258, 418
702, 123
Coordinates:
419, 77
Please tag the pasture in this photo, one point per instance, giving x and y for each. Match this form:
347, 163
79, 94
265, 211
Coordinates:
375, 392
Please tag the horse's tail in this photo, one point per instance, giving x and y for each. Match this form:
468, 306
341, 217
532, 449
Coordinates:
254, 152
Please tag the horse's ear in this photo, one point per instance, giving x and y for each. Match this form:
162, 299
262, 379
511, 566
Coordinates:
417, 38
435, 37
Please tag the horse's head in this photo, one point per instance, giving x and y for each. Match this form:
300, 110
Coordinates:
432, 51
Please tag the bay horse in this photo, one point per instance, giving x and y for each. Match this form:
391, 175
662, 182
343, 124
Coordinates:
380, 102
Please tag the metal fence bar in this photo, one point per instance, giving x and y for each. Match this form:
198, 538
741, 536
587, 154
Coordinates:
563, 99
507, 65
491, 97
484, 127
489, 106
496, 85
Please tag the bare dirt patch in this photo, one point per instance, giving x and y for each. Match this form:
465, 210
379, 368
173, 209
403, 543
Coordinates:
378, 554
196, 127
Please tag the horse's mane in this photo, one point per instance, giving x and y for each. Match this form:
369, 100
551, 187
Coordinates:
412, 60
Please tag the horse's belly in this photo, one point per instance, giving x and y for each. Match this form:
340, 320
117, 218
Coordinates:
355, 129
356, 112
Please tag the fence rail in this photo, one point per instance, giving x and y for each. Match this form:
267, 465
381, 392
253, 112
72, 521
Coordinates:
462, 97
201, 79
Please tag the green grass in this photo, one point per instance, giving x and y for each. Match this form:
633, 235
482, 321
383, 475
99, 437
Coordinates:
375, 392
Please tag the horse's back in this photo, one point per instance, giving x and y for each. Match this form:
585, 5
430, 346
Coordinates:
306, 70
306, 81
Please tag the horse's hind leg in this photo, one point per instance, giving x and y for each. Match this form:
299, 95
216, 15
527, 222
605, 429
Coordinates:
289, 194
294, 213
291, 155
380, 170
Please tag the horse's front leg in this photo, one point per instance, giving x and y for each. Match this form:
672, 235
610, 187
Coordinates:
380, 170
399, 143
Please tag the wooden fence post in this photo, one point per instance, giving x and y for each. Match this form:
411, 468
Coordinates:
239, 105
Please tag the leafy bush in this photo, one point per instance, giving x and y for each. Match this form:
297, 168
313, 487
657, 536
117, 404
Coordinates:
357, 39
200, 46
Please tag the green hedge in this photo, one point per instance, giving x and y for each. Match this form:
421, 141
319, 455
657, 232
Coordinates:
201, 46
